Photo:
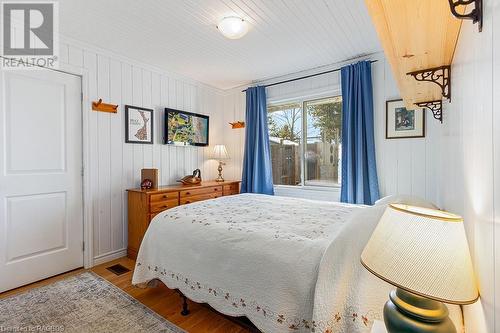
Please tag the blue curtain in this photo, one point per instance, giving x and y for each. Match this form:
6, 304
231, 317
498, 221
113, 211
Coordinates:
257, 171
359, 170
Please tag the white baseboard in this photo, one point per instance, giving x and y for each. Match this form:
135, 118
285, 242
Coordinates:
101, 259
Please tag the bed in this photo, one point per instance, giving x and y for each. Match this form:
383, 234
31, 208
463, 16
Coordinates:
287, 264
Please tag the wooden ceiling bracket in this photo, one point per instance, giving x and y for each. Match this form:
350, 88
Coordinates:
476, 14
439, 75
436, 108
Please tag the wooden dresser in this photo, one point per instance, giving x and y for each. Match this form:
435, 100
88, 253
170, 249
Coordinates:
143, 205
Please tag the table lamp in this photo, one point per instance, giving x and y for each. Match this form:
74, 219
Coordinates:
424, 253
220, 153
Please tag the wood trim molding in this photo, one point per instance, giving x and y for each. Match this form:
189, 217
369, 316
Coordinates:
109, 256
88, 253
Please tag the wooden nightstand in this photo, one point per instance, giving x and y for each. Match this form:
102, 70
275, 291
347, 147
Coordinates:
378, 327
143, 205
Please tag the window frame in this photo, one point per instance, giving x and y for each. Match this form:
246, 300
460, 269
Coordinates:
302, 100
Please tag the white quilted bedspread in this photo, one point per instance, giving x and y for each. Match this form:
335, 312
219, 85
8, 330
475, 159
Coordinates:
289, 265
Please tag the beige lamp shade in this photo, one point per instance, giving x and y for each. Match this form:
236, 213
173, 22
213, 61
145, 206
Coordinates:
220, 153
423, 251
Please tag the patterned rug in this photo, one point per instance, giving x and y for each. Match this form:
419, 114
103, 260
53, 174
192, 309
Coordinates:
82, 303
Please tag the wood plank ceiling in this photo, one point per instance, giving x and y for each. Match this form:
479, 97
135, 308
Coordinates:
285, 36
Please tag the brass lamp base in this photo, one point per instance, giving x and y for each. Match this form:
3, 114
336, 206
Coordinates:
407, 312
220, 179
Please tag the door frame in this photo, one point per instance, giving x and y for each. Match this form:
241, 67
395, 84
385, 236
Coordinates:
88, 255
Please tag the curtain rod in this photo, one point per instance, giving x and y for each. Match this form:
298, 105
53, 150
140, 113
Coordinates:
304, 77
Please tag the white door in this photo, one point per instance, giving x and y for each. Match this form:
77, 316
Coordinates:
41, 213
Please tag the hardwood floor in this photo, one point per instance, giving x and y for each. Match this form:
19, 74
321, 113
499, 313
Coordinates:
162, 300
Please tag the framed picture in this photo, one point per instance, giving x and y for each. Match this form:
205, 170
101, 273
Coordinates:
403, 123
138, 125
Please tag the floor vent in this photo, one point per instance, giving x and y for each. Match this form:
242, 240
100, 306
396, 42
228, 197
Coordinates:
118, 269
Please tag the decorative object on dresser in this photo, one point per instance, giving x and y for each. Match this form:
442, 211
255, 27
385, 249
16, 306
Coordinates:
144, 205
424, 253
194, 179
402, 123
220, 154
138, 125
146, 184
151, 175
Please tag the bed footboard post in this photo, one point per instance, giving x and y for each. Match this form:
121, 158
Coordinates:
185, 310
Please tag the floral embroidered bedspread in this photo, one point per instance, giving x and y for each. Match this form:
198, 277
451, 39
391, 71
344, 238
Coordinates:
288, 264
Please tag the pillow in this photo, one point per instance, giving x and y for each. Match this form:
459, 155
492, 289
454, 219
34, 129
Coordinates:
405, 199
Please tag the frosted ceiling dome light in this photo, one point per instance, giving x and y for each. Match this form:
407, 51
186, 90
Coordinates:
233, 27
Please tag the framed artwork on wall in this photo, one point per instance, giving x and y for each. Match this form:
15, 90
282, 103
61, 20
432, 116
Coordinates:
403, 123
138, 125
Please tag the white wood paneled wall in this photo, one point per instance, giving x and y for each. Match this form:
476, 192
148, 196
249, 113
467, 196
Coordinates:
234, 139
114, 164
405, 166
469, 168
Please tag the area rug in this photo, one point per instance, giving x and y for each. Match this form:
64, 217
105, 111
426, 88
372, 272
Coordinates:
82, 303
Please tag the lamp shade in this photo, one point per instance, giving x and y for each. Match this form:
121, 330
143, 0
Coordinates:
423, 251
220, 153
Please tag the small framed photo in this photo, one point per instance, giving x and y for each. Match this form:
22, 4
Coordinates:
403, 123
138, 125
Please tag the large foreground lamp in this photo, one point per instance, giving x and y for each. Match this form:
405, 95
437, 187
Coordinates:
424, 253
220, 154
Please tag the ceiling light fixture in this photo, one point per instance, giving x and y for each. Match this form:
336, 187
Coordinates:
233, 27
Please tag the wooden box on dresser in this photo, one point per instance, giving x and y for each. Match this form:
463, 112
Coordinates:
143, 205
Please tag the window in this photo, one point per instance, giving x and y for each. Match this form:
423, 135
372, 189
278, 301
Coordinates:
324, 136
305, 140
285, 137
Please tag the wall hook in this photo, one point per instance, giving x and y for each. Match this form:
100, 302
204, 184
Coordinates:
237, 124
104, 107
